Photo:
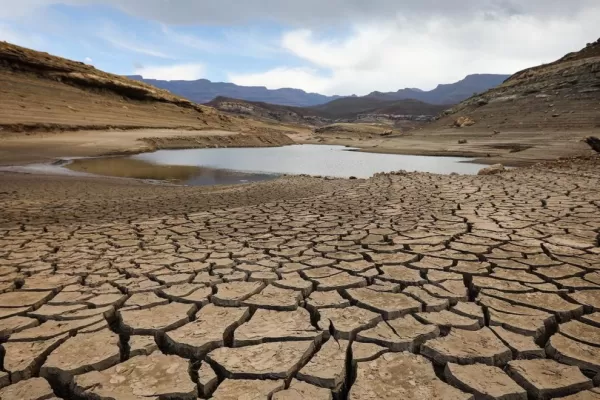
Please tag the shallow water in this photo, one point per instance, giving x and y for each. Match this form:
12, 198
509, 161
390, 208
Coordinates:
307, 159
127, 167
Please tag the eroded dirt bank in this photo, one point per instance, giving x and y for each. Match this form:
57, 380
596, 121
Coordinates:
46, 146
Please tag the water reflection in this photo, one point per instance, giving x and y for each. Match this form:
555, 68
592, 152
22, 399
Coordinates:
211, 176
125, 167
241, 165
308, 159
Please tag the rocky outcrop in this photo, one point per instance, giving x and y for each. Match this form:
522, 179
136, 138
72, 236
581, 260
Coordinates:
492, 170
594, 143
461, 122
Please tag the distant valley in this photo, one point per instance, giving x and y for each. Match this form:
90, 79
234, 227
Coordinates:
348, 109
297, 106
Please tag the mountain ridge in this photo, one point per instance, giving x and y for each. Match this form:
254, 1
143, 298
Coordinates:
447, 93
204, 91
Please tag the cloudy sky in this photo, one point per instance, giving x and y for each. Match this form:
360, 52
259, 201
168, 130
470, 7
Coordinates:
327, 46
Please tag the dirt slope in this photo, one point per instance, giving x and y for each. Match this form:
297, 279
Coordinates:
350, 107
43, 92
563, 95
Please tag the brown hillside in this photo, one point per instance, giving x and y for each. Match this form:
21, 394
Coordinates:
350, 109
43, 92
267, 111
563, 95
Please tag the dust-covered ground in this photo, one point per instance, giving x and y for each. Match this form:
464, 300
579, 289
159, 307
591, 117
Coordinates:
511, 148
403, 286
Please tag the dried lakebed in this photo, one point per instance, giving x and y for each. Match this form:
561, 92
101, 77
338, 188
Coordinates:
242, 165
403, 286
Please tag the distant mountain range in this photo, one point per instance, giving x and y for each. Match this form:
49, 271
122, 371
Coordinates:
448, 94
204, 91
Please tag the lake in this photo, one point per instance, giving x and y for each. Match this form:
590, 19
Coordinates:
336, 161
228, 166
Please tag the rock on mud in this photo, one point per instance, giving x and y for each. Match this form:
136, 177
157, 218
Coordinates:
492, 170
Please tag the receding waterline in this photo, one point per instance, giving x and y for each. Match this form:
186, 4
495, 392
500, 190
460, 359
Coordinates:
322, 160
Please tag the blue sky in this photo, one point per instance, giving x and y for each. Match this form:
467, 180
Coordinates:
123, 44
343, 48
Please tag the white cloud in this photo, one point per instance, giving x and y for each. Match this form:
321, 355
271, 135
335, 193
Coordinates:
10, 9
315, 12
333, 12
126, 40
191, 71
360, 50
353, 46
88, 60
190, 41
304, 78
249, 43
400, 53
124, 44
239, 42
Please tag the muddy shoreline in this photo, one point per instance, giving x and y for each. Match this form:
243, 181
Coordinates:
177, 169
473, 158
128, 168
513, 149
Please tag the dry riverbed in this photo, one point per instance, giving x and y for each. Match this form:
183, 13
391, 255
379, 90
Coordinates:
399, 286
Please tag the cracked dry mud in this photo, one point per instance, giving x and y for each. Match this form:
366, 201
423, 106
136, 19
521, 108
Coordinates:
403, 286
